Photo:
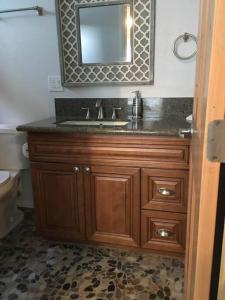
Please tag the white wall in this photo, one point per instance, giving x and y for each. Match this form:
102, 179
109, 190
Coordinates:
29, 53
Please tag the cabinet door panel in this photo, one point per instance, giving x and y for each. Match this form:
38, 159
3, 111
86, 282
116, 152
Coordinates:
58, 201
113, 215
113, 205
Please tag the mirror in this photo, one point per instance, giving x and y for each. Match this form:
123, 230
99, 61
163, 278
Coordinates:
105, 33
106, 42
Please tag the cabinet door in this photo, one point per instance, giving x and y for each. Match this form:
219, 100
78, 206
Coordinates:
112, 197
165, 190
58, 201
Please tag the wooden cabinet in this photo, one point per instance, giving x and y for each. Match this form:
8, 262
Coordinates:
122, 190
112, 197
58, 200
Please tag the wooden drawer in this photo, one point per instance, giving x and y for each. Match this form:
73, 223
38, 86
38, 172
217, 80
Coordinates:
168, 152
163, 231
165, 190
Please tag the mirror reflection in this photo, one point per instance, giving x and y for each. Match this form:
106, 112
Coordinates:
105, 34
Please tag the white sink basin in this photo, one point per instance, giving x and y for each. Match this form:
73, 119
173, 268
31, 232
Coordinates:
94, 123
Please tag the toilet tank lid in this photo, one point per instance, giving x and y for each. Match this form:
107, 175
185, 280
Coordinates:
4, 177
8, 128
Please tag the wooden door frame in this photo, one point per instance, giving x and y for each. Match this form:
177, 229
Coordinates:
210, 90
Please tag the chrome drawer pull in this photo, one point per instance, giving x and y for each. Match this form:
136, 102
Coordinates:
164, 233
166, 192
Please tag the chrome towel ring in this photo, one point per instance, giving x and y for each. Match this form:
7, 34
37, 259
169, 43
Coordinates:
185, 38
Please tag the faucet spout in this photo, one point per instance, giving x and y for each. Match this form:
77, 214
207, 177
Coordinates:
100, 109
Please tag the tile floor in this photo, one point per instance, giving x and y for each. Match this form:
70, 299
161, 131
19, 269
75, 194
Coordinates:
32, 268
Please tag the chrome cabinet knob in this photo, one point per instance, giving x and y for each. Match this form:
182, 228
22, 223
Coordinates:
76, 169
164, 233
87, 169
166, 192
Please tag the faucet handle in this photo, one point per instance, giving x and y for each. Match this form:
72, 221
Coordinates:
88, 112
114, 112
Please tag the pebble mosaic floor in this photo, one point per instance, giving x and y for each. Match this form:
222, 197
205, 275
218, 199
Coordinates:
32, 268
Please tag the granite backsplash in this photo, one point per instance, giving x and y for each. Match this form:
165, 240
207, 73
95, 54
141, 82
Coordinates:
153, 108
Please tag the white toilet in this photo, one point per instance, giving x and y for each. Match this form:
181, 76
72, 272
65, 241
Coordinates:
12, 161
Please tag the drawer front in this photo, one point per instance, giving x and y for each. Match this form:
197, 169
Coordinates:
163, 231
105, 151
164, 190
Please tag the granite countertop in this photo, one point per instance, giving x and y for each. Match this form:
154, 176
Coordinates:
154, 127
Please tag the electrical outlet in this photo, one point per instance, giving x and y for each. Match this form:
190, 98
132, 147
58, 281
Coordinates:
54, 83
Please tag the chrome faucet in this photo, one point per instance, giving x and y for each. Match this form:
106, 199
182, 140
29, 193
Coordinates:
115, 109
100, 111
88, 112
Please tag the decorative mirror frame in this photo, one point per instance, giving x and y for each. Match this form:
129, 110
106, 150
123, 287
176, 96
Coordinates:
139, 71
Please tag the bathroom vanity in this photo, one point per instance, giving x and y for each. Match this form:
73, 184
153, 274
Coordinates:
123, 186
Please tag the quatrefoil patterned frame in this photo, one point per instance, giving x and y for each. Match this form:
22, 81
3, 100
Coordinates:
140, 71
